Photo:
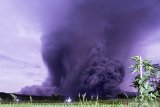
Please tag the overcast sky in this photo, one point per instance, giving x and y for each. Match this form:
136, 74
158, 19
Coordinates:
20, 58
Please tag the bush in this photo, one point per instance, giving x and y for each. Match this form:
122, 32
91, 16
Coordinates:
147, 80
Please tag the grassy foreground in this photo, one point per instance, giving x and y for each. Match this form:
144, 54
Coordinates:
84, 104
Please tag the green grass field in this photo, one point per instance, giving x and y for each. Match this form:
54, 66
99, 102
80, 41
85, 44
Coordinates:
85, 104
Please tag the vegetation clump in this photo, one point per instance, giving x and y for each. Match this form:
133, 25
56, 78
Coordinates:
147, 80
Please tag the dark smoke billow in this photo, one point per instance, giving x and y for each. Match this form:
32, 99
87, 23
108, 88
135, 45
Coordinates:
87, 52
102, 75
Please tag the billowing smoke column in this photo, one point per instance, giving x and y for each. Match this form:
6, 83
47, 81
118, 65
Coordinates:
88, 51
74, 70
102, 75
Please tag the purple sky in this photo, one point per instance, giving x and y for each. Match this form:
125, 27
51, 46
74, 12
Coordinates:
20, 47
20, 58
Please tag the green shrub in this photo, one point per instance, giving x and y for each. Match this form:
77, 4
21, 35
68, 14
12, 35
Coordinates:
147, 78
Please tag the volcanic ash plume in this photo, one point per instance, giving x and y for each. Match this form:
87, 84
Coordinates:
91, 71
102, 75
87, 52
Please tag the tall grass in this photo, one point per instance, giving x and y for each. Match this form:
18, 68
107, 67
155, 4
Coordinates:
85, 104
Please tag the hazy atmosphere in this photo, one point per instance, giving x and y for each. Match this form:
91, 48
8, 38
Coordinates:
50, 46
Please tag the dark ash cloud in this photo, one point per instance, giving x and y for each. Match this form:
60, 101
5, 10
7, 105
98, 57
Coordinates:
86, 48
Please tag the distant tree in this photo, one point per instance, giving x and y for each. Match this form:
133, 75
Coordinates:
0, 99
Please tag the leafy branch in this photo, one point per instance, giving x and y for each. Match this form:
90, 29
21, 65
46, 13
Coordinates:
147, 80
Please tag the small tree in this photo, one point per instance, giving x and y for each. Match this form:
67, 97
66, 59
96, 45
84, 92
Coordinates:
147, 79
30, 99
0, 99
15, 98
